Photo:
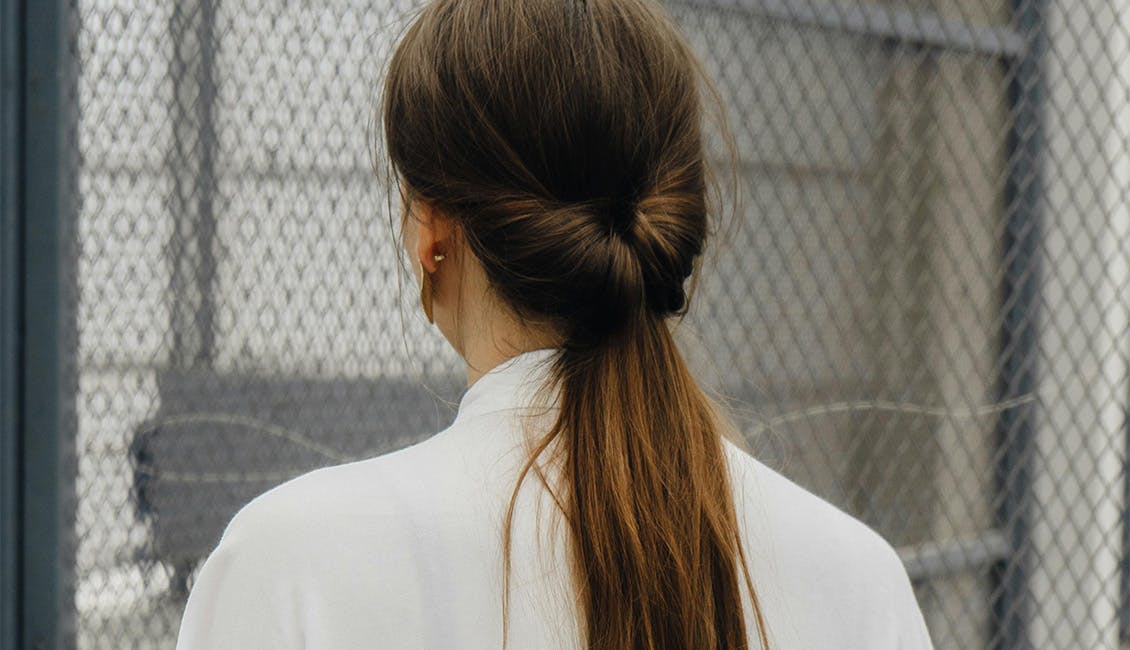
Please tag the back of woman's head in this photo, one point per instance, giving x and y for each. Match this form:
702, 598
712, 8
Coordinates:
564, 137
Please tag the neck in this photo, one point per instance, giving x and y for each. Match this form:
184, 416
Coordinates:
486, 332
499, 339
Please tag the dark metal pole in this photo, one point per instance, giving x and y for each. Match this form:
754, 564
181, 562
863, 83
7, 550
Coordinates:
191, 162
10, 101
1024, 191
38, 203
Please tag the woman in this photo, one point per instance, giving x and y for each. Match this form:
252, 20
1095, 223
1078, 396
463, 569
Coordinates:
550, 157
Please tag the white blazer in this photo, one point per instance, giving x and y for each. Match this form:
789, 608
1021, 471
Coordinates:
405, 551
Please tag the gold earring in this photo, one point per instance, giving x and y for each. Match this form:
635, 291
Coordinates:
426, 292
426, 288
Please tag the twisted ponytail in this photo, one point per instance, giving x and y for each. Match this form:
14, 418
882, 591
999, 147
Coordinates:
649, 498
564, 137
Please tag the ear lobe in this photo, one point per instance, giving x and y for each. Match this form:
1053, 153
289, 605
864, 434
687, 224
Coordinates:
425, 244
434, 236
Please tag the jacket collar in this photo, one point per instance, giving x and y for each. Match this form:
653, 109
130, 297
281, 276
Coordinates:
509, 385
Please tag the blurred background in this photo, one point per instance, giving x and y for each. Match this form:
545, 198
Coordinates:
920, 311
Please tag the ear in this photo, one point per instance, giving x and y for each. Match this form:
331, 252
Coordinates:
436, 235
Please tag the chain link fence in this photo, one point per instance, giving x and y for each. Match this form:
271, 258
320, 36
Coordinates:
920, 314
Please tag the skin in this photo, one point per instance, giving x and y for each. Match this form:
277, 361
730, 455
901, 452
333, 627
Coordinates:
477, 324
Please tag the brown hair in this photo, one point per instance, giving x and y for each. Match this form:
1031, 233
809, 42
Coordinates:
564, 137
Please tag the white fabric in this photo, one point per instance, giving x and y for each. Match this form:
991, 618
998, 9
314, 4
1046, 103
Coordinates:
404, 551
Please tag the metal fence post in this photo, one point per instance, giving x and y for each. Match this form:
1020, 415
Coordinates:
192, 168
1012, 609
9, 323
38, 200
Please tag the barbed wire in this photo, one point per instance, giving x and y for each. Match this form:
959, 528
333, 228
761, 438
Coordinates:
907, 408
